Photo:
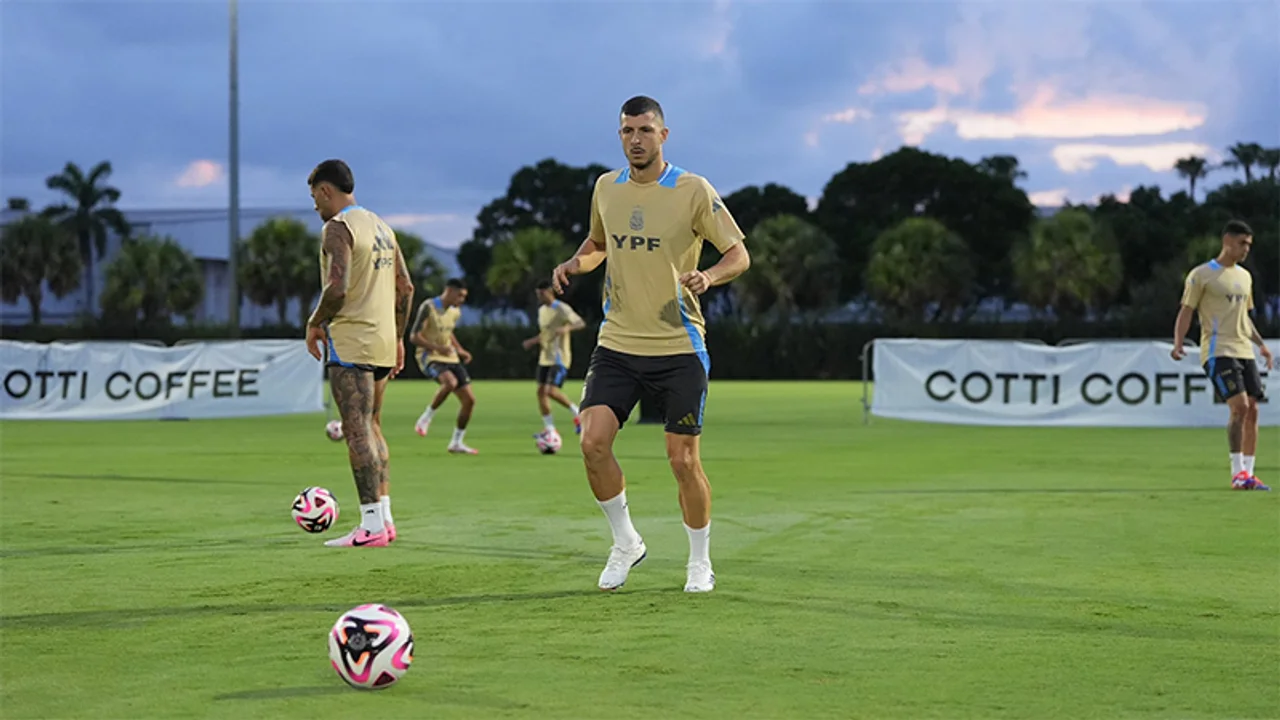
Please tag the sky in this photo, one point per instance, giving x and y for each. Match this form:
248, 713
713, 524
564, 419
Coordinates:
436, 104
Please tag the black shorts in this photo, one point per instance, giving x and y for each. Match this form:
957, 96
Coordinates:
679, 382
553, 375
434, 370
1232, 376
332, 360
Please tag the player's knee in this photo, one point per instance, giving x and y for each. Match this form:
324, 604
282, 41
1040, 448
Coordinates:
684, 459
596, 447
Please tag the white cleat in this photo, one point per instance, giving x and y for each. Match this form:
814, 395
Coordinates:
700, 578
422, 426
460, 449
619, 565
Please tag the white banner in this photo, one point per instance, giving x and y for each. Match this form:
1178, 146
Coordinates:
1002, 382
134, 381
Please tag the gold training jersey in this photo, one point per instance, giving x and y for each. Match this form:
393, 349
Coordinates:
364, 330
1223, 297
438, 329
556, 349
652, 234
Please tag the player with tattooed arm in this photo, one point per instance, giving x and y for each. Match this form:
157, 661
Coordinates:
359, 322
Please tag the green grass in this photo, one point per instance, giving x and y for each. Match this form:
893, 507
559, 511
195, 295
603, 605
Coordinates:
890, 570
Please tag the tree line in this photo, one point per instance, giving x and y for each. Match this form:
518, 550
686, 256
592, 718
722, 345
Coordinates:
913, 239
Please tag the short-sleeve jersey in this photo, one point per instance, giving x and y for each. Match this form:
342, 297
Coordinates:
1222, 297
436, 323
556, 349
364, 330
652, 234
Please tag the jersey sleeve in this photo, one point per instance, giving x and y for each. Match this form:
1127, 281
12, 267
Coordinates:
597, 221
1193, 289
567, 314
711, 219
424, 314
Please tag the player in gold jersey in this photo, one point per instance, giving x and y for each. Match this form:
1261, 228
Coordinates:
648, 221
555, 321
442, 357
359, 320
1221, 293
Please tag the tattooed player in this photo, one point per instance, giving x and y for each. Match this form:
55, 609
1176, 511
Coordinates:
360, 319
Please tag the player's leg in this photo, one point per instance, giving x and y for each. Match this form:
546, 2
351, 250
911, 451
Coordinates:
448, 383
353, 393
612, 391
1252, 380
544, 403
384, 453
683, 387
555, 393
1229, 386
467, 401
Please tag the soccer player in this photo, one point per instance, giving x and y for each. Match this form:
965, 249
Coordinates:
360, 320
1221, 292
555, 321
442, 357
649, 221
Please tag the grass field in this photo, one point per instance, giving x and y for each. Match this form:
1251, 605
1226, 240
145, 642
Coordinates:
892, 570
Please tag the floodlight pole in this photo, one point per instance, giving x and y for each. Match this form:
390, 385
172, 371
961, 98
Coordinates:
233, 173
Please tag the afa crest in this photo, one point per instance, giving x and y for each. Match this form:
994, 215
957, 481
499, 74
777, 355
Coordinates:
637, 218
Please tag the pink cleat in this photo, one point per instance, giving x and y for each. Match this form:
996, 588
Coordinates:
391, 533
1244, 481
360, 538
460, 449
421, 427
577, 424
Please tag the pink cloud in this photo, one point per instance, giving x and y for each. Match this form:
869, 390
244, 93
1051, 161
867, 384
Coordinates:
1081, 157
1048, 198
200, 173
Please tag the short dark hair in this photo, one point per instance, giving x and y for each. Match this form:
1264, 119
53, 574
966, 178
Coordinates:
456, 284
543, 285
642, 104
1237, 227
334, 172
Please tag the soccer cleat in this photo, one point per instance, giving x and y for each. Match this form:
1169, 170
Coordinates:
422, 426
619, 565
391, 532
461, 449
360, 538
577, 424
1244, 481
700, 578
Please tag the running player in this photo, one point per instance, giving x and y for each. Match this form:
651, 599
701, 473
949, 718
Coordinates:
442, 357
360, 320
1221, 292
555, 321
649, 221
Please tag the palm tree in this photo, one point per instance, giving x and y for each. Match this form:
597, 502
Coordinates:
1270, 159
278, 262
35, 252
794, 266
1244, 155
152, 279
918, 263
521, 262
1066, 265
427, 272
1193, 169
90, 215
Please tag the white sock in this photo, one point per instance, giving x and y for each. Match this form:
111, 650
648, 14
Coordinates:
427, 414
371, 517
457, 435
1237, 463
573, 408
386, 509
549, 422
615, 509
699, 543
1248, 463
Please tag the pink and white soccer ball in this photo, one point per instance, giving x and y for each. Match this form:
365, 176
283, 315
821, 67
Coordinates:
371, 647
334, 430
315, 510
548, 442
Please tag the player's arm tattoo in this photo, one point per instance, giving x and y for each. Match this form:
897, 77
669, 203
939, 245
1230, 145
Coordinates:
337, 243
353, 392
404, 293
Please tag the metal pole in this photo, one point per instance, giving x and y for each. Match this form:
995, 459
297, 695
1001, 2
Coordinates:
233, 166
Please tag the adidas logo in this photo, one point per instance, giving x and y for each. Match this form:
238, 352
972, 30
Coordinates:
688, 421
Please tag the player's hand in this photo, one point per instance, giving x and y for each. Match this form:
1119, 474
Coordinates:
464, 356
1266, 355
560, 276
315, 339
1178, 353
399, 360
528, 344
696, 280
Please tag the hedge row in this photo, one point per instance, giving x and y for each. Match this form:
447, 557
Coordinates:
738, 350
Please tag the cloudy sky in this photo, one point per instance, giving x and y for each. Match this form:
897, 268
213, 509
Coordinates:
435, 104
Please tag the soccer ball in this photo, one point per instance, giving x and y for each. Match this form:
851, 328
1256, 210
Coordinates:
334, 430
315, 510
371, 647
548, 442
